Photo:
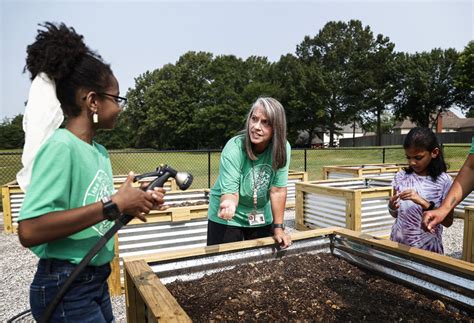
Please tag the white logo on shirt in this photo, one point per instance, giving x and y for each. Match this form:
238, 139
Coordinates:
263, 176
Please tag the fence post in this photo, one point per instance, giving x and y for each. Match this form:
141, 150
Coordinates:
209, 169
383, 155
305, 159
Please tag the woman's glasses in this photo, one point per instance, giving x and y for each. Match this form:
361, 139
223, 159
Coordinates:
121, 101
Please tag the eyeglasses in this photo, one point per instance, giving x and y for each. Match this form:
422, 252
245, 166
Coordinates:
121, 101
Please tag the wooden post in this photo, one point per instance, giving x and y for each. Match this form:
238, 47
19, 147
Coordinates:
468, 240
115, 286
133, 302
325, 173
357, 212
7, 210
145, 290
299, 208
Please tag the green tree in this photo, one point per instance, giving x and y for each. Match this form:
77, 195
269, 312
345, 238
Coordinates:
11, 133
333, 61
162, 106
200, 102
299, 87
375, 85
426, 86
464, 79
116, 138
223, 113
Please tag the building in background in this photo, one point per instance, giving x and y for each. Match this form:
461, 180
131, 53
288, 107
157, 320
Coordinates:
447, 122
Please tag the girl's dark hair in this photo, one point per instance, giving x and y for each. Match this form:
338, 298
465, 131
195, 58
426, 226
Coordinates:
424, 138
61, 53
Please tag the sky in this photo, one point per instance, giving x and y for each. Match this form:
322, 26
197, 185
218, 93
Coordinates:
139, 36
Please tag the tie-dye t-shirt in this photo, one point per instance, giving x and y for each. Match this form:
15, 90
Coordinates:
407, 228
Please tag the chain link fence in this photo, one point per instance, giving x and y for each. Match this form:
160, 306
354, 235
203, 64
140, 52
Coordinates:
204, 164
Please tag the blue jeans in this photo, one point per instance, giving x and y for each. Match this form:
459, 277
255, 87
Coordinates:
87, 300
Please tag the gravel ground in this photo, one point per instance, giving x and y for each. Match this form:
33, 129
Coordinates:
17, 267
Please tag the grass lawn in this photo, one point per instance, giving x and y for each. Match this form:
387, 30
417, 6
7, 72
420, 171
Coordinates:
197, 164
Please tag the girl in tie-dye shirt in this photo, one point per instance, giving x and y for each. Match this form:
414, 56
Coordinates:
418, 188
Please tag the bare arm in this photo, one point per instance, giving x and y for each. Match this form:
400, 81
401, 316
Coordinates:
463, 185
278, 201
56, 225
60, 224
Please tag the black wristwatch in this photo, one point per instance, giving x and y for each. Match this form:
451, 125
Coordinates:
110, 209
431, 207
278, 225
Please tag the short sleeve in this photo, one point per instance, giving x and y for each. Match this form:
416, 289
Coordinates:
397, 179
230, 167
49, 189
472, 146
281, 176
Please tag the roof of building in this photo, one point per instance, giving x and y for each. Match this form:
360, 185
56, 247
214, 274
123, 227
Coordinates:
449, 121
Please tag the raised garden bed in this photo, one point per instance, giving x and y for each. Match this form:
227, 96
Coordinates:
349, 203
308, 287
326, 275
364, 170
13, 196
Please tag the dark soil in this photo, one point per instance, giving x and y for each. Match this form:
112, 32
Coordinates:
308, 287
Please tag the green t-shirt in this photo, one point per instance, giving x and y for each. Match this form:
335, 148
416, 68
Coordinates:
69, 173
237, 173
472, 146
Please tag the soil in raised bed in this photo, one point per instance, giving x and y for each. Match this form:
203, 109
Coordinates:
308, 287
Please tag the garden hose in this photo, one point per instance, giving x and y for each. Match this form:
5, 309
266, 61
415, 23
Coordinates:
163, 173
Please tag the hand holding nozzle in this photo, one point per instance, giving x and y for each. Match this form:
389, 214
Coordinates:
138, 202
162, 174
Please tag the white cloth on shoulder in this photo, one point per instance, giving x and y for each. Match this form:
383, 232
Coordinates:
43, 115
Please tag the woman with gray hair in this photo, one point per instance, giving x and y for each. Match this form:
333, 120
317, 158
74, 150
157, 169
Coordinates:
248, 198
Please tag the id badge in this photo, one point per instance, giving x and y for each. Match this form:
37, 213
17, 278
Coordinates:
256, 218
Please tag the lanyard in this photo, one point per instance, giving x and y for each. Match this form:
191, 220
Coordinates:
255, 187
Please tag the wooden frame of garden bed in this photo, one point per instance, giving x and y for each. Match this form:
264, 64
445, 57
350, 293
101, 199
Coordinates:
147, 298
179, 223
348, 203
364, 170
12, 197
293, 178
175, 228
184, 220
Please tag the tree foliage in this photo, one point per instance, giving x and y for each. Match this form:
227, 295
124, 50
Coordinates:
464, 79
342, 75
11, 133
200, 102
427, 86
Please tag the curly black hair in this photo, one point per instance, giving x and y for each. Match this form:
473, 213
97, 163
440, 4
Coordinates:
62, 54
424, 138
